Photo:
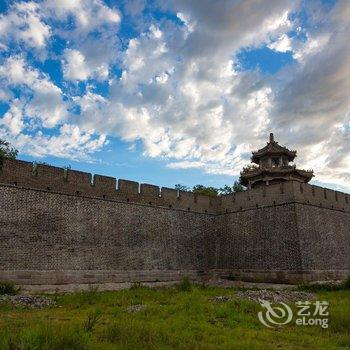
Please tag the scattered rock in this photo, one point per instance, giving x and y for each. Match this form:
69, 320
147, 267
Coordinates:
136, 308
220, 298
275, 296
32, 301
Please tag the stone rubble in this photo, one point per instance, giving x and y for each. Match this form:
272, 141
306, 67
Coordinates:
32, 301
220, 298
136, 308
275, 296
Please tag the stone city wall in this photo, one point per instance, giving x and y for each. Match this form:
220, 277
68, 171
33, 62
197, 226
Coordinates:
69, 227
43, 231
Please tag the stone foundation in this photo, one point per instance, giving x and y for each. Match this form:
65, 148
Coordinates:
109, 280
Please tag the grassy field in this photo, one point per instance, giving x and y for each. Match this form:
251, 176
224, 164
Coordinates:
173, 318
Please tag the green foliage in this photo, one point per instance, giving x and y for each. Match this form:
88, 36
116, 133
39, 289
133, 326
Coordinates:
225, 190
237, 187
47, 337
249, 168
180, 187
6, 151
8, 288
208, 191
212, 191
185, 285
91, 320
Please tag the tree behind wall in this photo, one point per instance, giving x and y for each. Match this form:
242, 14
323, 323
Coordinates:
6, 151
212, 191
208, 191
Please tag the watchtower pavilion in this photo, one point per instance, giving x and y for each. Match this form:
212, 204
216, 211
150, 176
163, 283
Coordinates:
273, 166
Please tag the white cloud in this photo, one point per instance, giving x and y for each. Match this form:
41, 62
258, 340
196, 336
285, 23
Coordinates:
13, 118
186, 165
89, 15
70, 142
206, 114
78, 67
75, 67
314, 44
43, 104
282, 44
24, 23
87, 55
44, 98
311, 107
186, 106
32, 24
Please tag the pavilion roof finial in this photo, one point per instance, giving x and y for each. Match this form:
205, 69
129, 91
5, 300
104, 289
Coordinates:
271, 138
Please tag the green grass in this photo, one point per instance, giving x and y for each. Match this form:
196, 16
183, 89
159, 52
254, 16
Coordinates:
174, 318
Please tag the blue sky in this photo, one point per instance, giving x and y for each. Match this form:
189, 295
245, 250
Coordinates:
171, 92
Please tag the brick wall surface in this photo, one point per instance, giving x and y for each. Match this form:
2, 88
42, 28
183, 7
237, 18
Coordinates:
48, 231
324, 237
265, 239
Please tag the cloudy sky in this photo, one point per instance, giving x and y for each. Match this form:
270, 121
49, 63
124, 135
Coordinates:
180, 91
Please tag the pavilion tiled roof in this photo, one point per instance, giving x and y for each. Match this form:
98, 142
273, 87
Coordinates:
273, 148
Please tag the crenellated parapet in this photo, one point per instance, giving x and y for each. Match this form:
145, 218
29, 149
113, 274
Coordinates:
285, 192
258, 197
72, 182
321, 197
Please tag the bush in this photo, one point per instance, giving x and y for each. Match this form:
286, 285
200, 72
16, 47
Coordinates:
8, 288
346, 283
136, 285
91, 321
231, 277
185, 285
